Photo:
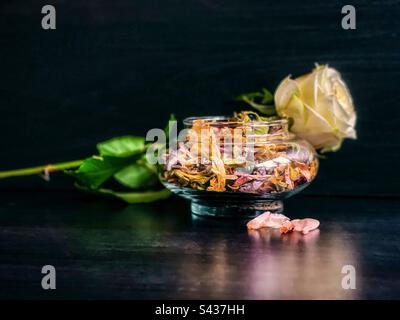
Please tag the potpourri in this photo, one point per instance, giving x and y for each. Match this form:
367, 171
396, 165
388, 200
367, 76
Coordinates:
261, 157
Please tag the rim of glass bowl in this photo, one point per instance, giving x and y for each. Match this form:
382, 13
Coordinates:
223, 121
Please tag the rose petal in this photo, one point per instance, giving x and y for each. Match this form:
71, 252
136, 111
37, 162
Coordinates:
276, 220
256, 223
305, 225
267, 219
286, 227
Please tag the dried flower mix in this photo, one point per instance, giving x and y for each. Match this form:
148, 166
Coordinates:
246, 154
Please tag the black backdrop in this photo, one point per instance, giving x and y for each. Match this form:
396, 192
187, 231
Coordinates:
121, 67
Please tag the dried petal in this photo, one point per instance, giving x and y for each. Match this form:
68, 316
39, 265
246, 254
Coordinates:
305, 225
287, 227
257, 222
267, 219
276, 220
243, 179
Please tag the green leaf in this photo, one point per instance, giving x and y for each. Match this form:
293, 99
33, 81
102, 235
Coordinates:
137, 176
96, 170
267, 110
129, 197
262, 101
122, 147
143, 197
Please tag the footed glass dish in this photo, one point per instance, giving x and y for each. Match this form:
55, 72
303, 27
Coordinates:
237, 167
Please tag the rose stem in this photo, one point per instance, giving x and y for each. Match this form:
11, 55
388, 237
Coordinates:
40, 169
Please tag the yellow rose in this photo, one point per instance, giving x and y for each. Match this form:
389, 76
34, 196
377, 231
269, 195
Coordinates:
321, 107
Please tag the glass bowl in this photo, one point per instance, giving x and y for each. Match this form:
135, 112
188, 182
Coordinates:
237, 169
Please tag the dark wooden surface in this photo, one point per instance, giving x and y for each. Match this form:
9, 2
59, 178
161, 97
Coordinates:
121, 67
104, 249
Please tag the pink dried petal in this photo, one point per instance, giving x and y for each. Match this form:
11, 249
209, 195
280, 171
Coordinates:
305, 225
288, 181
286, 227
257, 184
242, 180
276, 220
297, 224
267, 219
257, 222
310, 225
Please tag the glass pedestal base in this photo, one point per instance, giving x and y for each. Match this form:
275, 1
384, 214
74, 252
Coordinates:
232, 209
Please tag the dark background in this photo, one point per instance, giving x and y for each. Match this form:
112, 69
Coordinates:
121, 67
